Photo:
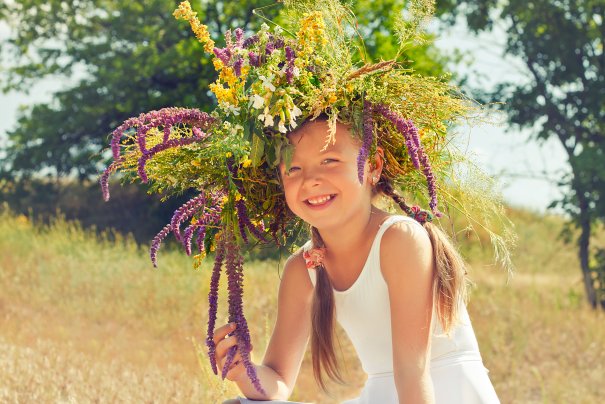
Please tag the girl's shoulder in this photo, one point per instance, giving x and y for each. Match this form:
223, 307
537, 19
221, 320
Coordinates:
405, 240
295, 270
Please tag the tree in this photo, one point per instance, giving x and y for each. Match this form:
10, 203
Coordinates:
561, 45
132, 57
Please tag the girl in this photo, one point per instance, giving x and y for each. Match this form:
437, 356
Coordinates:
307, 130
395, 284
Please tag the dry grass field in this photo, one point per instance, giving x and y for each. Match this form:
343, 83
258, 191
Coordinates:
84, 319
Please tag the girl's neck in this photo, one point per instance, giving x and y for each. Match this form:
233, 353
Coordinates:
344, 240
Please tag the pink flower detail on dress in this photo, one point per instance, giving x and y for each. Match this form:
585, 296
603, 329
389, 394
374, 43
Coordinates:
314, 257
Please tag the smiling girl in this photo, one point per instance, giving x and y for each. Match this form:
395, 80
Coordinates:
308, 132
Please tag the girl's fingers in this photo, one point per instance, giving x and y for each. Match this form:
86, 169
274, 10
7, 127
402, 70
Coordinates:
221, 332
223, 346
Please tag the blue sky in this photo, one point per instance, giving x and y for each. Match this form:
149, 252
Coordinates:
526, 170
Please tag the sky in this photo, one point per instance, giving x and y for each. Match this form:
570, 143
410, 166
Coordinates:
526, 170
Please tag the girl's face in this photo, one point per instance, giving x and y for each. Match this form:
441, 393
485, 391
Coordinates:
322, 187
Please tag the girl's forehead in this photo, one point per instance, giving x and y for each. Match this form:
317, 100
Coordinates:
314, 136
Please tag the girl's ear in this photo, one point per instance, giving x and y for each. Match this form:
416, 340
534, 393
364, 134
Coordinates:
376, 165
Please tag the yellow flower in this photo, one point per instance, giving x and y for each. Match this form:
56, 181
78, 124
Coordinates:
238, 196
184, 12
247, 163
218, 64
196, 163
228, 154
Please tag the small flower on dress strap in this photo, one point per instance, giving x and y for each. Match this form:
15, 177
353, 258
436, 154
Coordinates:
314, 257
420, 215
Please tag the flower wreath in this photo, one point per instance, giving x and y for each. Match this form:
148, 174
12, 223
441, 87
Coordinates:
268, 84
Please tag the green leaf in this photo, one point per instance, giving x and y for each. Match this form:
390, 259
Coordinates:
257, 148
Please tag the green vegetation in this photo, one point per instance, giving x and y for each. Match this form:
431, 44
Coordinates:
84, 318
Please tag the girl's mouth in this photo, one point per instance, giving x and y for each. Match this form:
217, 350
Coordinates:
320, 200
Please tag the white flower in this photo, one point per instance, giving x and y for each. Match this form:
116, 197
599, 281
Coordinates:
267, 82
257, 101
295, 112
281, 127
296, 71
266, 117
278, 30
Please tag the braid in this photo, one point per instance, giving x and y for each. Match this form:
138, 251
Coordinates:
385, 186
322, 319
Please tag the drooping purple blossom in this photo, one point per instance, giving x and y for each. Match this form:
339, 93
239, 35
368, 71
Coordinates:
104, 180
188, 236
419, 158
185, 212
167, 130
199, 240
406, 128
213, 300
245, 223
156, 242
368, 138
235, 277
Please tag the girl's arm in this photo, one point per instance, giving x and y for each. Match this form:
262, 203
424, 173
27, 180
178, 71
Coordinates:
288, 342
406, 257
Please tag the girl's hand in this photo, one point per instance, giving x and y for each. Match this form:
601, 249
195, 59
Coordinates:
237, 369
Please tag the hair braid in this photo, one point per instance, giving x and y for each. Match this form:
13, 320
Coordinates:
322, 319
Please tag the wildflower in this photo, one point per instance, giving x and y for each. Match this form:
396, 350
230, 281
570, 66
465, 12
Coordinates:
368, 136
247, 163
156, 242
213, 301
257, 101
184, 12
267, 82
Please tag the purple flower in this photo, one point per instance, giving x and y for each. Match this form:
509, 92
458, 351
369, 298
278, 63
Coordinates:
237, 66
269, 48
185, 212
239, 37
223, 54
244, 222
290, 57
406, 128
213, 300
235, 277
254, 59
419, 158
250, 41
156, 242
165, 116
161, 147
368, 137
201, 234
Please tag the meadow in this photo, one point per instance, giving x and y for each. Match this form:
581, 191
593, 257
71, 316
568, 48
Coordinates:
86, 318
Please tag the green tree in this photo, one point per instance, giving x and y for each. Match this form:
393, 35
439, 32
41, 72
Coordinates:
561, 45
132, 57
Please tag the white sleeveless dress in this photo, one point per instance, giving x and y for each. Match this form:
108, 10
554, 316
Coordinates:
457, 370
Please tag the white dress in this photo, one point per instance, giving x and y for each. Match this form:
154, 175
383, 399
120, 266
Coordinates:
457, 370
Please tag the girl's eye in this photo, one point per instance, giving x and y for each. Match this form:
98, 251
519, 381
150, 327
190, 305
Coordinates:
327, 161
292, 170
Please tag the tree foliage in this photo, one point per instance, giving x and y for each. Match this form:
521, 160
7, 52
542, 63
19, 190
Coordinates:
130, 57
561, 45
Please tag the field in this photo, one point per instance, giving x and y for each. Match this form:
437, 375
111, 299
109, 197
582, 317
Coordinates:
87, 319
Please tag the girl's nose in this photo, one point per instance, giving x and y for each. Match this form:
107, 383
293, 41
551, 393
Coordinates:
311, 178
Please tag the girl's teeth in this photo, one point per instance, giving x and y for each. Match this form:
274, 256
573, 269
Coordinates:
321, 200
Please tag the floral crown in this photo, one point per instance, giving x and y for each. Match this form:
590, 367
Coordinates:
268, 84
